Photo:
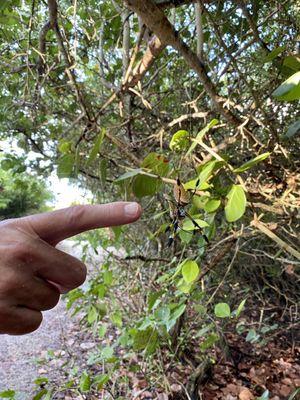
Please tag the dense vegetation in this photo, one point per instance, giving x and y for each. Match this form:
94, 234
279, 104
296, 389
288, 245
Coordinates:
21, 193
127, 97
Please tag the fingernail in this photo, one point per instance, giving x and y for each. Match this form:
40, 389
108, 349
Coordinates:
131, 210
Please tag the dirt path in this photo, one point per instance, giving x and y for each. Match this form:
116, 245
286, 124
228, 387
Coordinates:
19, 355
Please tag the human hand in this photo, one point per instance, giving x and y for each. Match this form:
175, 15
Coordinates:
29, 260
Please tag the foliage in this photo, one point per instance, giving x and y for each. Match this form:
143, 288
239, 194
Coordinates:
21, 193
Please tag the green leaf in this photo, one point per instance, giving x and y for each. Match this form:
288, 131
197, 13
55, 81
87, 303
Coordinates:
273, 54
49, 394
203, 331
145, 339
292, 62
251, 163
101, 291
290, 89
65, 147
183, 286
128, 175
294, 394
96, 147
108, 277
201, 135
116, 319
40, 394
85, 382
107, 353
293, 129
40, 381
178, 311
240, 308
7, 164
222, 310
92, 315
73, 296
252, 336
190, 271
188, 225
162, 313
66, 165
152, 299
191, 185
236, 203
205, 172
209, 341
101, 380
102, 331
208, 169
144, 185
212, 205
8, 394
156, 163
179, 141
103, 170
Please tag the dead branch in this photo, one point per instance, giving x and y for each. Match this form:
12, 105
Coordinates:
156, 20
264, 229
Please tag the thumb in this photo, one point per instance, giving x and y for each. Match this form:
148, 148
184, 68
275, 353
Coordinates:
61, 224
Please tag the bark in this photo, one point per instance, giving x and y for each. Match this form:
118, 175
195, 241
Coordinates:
156, 20
199, 28
154, 49
126, 58
252, 24
126, 39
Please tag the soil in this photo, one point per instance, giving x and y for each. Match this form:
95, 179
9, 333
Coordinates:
20, 355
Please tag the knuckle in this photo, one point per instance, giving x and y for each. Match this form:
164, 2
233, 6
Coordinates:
9, 284
76, 214
20, 252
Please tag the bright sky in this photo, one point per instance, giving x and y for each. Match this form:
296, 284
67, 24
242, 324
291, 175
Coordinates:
65, 193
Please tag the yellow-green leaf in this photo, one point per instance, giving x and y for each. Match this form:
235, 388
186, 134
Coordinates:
96, 148
190, 271
179, 141
188, 225
222, 310
212, 205
289, 90
252, 162
201, 135
236, 203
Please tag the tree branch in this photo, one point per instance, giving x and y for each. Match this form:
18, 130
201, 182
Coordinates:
251, 23
156, 20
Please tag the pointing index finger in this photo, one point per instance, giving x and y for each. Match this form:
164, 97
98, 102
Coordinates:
61, 224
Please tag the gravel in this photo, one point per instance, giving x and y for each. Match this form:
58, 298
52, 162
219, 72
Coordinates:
20, 355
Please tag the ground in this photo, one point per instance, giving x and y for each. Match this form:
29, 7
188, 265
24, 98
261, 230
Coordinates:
60, 343
19, 355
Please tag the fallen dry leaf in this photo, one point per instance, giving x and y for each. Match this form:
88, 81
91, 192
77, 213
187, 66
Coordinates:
176, 388
285, 390
245, 394
162, 396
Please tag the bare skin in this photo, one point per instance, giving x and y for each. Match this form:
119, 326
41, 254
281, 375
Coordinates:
33, 273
